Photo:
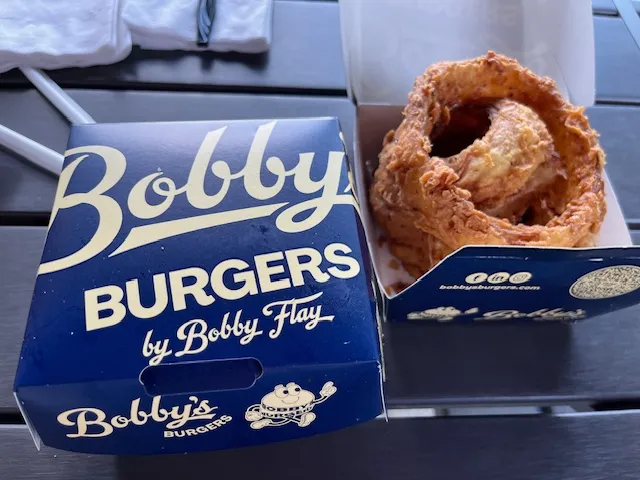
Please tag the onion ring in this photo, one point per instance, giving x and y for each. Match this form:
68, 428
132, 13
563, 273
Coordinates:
504, 170
423, 190
511, 165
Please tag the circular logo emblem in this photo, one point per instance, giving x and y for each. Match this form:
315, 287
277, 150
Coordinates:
607, 282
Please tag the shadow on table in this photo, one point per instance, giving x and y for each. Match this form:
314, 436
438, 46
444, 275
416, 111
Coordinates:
475, 364
151, 66
526, 448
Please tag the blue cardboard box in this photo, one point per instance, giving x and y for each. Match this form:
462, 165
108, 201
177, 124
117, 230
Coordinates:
204, 285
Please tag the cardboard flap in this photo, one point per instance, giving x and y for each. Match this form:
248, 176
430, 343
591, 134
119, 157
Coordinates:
486, 283
387, 43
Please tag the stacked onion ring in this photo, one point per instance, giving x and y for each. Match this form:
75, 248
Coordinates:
533, 179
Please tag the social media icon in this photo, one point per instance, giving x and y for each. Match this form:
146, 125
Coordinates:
498, 277
520, 277
476, 278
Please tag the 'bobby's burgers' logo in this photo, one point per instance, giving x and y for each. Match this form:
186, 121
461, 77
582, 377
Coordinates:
291, 218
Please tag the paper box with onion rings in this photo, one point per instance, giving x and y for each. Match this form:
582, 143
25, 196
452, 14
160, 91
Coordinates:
484, 193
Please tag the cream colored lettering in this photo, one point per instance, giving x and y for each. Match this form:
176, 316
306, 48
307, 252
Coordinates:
231, 279
319, 206
161, 297
119, 421
179, 290
291, 218
137, 200
197, 335
502, 314
245, 330
296, 267
158, 414
195, 184
137, 416
331, 254
290, 312
147, 234
180, 416
265, 272
191, 332
84, 419
108, 210
187, 414
188, 432
251, 172
92, 422
203, 408
157, 350
93, 306
246, 279
545, 313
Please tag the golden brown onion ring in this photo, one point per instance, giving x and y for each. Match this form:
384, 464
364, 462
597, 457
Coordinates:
424, 189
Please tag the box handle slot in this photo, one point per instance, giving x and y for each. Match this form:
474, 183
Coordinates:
201, 376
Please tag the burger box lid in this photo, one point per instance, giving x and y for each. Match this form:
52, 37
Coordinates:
386, 44
203, 285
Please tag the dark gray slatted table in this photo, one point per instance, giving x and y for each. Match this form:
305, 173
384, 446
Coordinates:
594, 361
524, 448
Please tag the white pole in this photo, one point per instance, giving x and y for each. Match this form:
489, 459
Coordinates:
58, 97
33, 151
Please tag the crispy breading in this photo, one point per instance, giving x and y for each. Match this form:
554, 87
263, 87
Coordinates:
429, 206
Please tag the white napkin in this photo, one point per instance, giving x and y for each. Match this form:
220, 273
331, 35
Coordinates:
53, 34
239, 25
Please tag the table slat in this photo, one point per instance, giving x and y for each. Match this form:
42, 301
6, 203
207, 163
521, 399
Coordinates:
17, 278
617, 61
618, 128
592, 447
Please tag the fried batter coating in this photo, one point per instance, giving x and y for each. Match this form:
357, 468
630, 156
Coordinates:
430, 205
